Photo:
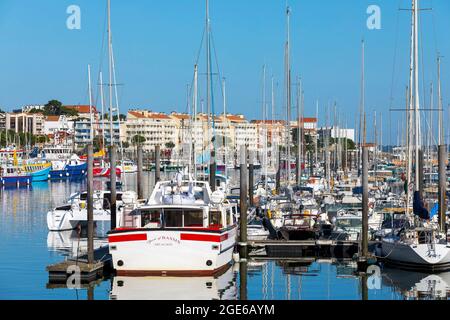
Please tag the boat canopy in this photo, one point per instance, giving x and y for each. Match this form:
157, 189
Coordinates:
418, 207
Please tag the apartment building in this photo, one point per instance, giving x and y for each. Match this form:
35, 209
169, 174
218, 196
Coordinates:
25, 122
157, 128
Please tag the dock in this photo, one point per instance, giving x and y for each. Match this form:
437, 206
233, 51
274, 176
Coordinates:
305, 248
60, 272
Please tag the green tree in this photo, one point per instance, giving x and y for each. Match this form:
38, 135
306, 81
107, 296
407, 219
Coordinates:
137, 140
170, 145
53, 108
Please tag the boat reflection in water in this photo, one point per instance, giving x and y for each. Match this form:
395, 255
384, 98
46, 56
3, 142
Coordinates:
73, 243
220, 287
418, 286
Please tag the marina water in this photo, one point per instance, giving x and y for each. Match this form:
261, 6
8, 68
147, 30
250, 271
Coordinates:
27, 247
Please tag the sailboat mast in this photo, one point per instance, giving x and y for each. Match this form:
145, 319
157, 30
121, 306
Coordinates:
441, 125
111, 135
362, 105
102, 101
288, 95
416, 93
225, 122
194, 121
91, 136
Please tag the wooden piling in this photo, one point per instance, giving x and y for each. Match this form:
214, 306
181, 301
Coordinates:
140, 173
298, 169
251, 168
243, 268
157, 164
365, 203
278, 175
243, 203
113, 179
442, 158
212, 172
90, 202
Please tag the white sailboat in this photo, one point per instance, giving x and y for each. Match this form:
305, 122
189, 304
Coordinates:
422, 246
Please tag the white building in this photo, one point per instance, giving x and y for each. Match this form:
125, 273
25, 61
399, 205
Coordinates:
55, 124
156, 128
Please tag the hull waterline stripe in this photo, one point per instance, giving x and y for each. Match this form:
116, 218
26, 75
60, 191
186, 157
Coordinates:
128, 237
203, 237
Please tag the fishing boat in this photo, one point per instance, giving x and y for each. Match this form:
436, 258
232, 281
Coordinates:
184, 229
11, 176
38, 169
56, 152
72, 168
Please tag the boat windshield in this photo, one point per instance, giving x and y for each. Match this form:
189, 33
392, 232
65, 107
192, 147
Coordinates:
172, 218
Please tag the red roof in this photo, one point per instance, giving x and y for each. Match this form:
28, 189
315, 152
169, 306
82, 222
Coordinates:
141, 115
82, 108
52, 118
269, 121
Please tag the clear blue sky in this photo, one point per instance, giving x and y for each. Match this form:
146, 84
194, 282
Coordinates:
156, 44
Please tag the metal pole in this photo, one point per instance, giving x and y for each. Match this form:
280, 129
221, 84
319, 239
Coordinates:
112, 159
140, 173
243, 203
442, 186
90, 203
157, 164
365, 202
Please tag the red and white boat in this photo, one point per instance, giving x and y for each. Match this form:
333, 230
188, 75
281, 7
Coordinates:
102, 169
184, 229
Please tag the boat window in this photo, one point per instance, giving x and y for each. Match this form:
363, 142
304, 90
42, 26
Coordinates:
83, 196
151, 218
215, 219
173, 218
193, 218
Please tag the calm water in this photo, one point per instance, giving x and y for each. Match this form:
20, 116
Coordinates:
26, 248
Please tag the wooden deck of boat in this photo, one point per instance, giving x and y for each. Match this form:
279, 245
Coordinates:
60, 272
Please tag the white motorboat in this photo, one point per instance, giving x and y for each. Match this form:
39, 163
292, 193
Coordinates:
184, 229
74, 212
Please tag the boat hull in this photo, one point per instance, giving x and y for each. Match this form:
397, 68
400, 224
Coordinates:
70, 171
156, 252
15, 181
418, 257
41, 175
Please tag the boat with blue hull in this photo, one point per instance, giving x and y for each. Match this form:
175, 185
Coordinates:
69, 172
13, 177
41, 175
38, 170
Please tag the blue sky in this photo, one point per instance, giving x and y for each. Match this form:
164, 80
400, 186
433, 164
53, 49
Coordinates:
156, 44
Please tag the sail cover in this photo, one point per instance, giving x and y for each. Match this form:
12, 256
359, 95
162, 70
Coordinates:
418, 207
